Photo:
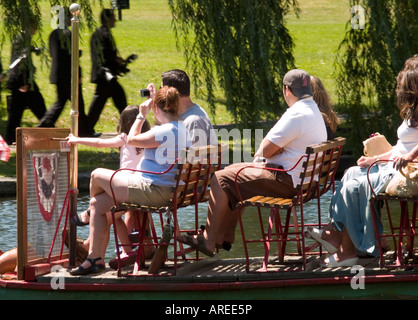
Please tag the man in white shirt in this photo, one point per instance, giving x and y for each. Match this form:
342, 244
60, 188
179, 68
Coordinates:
301, 125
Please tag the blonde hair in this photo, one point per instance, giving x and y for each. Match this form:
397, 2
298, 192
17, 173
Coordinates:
323, 101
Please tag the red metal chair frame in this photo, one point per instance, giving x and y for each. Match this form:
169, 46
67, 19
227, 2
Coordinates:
406, 227
195, 167
321, 160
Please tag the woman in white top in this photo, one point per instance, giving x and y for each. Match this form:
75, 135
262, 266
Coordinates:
351, 230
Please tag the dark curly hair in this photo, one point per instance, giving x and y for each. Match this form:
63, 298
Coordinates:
407, 95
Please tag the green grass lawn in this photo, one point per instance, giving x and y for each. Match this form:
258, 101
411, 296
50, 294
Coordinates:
317, 33
146, 30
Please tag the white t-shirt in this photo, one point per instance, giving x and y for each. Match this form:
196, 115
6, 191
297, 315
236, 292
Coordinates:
129, 156
407, 140
301, 125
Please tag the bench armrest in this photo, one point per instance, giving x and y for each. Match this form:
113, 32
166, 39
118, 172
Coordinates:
262, 168
137, 170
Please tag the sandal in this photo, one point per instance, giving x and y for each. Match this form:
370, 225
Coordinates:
316, 234
225, 245
200, 245
333, 262
78, 221
94, 268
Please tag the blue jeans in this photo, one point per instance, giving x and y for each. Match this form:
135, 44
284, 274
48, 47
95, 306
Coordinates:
350, 205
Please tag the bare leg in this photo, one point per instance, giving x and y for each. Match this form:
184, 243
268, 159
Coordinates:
229, 234
347, 249
130, 220
100, 204
331, 235
122, 232
99, 226
100, 181
8, 261
221, 221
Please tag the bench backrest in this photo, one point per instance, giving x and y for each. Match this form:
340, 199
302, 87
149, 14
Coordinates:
320, 167
196, 166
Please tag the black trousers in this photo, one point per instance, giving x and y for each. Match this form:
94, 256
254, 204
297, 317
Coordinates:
64, 95
105, 90
20, 101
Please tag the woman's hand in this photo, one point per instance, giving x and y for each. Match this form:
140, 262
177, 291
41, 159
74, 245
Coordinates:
364, 162
402, 161
152, 91
145, 107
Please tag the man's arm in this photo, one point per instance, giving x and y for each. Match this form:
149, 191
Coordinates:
267, 149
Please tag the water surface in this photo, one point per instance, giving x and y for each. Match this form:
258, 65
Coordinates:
186, 220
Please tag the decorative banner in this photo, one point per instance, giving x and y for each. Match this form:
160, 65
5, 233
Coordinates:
46, 182
4, 150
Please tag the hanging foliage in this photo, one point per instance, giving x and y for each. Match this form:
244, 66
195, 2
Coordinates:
242, 46
19, 19
369, 59
20, 16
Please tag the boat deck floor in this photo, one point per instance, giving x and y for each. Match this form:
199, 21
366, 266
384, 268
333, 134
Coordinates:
216, 269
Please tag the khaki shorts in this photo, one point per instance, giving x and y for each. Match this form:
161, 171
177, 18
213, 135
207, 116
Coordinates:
147, 194
253, 182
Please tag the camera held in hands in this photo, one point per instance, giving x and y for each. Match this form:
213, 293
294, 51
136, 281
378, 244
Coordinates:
145, 93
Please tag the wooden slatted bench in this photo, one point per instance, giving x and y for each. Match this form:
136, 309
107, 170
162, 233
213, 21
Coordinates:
320, 164
195, 166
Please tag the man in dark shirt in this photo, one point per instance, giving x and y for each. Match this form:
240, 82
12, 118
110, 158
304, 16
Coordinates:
105, 68
21, 82
60, 50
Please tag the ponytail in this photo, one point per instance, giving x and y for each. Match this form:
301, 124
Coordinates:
167, 99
